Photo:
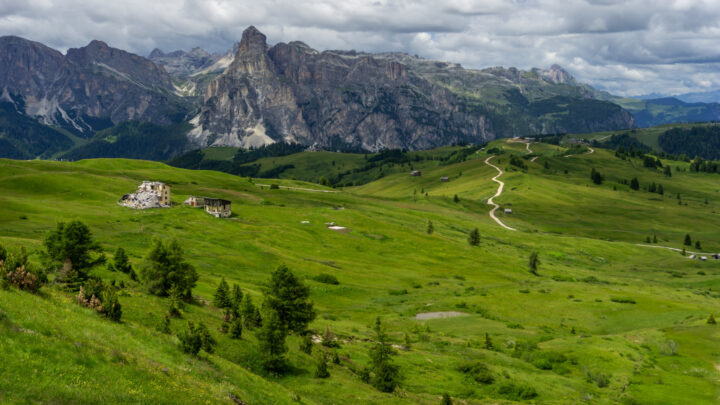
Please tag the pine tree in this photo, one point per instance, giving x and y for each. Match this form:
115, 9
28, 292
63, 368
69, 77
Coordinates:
306, 344
386, 374
660, 189
406, 341
67, 249
446, 400
335, 357
488, 344
190, 340
111, 305
247, 311
236, 299
456, 199
321, 367
533, 263
430, 227
688, 240
652, 187
474, 237
221, 299
208, 342
635, 184
287, 296
271, 340
697, 245
166, 267
236, 328
122, 264
667, 171
654, 239
711, 320
683, 252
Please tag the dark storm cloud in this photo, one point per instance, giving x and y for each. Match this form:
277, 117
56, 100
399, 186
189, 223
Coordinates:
627, 47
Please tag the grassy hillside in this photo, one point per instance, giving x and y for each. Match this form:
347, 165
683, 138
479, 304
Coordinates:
569, 334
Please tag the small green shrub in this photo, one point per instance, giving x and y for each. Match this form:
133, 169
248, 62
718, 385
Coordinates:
326, 279
623, 300
517, 391
478, 371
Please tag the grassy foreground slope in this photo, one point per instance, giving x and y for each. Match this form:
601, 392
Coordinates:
566, 334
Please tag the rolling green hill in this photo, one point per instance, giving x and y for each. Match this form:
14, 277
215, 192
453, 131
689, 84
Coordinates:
604, 321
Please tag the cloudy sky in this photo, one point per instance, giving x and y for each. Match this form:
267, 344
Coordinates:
628, 47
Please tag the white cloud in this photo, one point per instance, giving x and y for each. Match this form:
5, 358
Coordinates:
625, 46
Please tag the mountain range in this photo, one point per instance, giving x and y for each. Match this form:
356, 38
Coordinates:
99, 101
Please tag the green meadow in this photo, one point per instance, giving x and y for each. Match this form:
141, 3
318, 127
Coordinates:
604, 321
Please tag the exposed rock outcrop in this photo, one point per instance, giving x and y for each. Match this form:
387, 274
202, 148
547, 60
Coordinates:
293, 93
88, 89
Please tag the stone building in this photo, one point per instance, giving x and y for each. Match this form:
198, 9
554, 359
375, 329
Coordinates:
162, 190
195, 201
150, 194
218, 207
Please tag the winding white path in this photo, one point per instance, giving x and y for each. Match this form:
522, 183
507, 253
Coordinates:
675, 250
497, 194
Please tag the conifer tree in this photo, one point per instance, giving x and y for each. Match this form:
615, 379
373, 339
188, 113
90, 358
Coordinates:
654, 239
386, 374
271, 340
533, 263
287, 296
208, 342
697, 245
236, 299
446, 400
430, 227
406, 341
236, 328
456, 199
248, 312
488, 344
321, 366
68, 249
306, 344
711, 320
688, 240
474, 237
165, 268
221, 299
122, 264
635, 184
190, 340
111, 305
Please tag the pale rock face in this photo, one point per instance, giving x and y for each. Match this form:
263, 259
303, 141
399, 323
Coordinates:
298, 94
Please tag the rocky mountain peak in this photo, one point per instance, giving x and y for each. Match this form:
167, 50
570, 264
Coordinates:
252, 41
558, 75
156, 53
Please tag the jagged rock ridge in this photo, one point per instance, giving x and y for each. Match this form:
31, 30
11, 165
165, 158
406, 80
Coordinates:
87, 89
291, 92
